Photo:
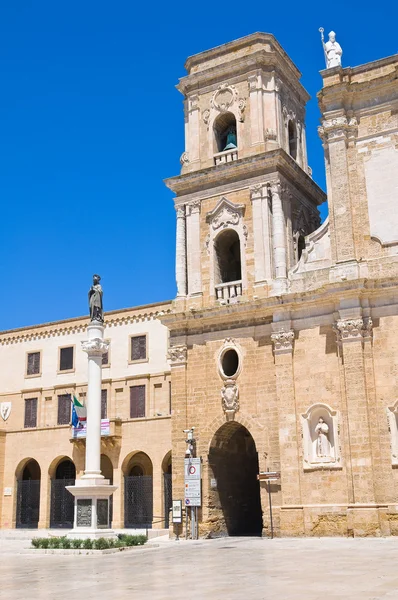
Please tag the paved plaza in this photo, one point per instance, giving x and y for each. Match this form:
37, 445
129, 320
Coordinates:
228, 569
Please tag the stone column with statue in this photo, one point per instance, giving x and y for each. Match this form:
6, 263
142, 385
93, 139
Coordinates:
92, 492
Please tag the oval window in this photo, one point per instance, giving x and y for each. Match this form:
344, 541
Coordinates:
230, 363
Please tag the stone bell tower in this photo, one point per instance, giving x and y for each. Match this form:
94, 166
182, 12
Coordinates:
245, 198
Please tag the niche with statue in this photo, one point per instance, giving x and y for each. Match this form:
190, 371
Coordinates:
320, 430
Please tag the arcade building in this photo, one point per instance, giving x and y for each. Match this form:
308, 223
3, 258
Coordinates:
280, 348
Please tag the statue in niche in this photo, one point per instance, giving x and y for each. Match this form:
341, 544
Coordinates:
322, 443
95, 301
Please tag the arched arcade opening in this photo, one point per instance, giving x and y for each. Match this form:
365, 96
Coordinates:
167, 488
138, 491
235, 496
62, 501
28, 477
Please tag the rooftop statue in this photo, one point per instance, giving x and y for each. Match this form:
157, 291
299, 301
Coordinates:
332, 49
95, 301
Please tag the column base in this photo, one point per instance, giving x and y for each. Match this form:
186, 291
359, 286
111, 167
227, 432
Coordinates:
279, 286
91, 518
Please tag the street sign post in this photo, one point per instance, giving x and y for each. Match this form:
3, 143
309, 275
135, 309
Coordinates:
269, 476
193, 489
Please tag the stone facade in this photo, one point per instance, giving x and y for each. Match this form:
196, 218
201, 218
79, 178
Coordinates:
287, 329
142, 443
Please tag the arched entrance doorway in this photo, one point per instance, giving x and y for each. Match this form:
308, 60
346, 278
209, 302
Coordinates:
107, 472
235, 494
62, 501
138, 492
28, 495
167, 488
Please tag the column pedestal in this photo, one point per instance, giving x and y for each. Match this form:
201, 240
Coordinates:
92, 492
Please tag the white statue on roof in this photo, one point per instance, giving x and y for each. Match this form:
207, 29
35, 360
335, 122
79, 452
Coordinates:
332, 49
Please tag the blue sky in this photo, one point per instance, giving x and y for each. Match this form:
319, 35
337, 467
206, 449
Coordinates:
91, 124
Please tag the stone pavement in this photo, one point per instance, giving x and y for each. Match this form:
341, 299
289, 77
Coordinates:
223, 569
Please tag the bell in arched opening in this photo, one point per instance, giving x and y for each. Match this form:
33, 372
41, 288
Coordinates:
231, 139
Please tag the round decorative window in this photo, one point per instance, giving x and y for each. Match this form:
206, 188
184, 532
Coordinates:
230, 363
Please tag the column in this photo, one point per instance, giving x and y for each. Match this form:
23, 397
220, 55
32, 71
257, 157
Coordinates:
193, 248
181, 253
193, 118
278, 240
92, 491
256, 193
291, 514
256, 109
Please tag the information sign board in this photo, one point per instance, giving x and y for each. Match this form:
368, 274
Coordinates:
177, 511
193, 495
192, 469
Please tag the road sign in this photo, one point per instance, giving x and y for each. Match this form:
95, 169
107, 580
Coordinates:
193, 493
269, 476
192, 469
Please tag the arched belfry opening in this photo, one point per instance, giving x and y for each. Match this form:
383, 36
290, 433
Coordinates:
235, 491
228, 257
225, 132
292, 133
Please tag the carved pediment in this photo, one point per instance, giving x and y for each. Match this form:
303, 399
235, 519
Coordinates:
225, 213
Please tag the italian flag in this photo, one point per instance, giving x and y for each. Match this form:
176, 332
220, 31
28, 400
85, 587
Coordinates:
80, 410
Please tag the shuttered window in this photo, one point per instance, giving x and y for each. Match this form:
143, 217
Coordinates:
104, 404
30, 412
138, 347
137, 401
66, 359
64, 409
33, 363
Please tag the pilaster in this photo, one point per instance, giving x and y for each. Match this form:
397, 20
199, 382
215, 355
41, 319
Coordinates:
178, 355
261, 233
278, 240
181, 252
350, 336
291, 515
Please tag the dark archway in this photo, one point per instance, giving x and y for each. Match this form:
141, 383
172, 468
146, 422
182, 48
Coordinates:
292, 131
233, 463
107, 472
28, 495
62, 501
138, 491
167, 488
228, 259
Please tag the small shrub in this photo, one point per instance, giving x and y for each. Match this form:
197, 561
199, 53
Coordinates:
111, 543
36, 542
44, 543
132, 540
55, 542
87, 544
77, 544
66, 543
101, 544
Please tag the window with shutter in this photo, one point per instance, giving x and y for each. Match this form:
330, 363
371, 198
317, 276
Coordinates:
64, 409
30, 412
33, 363
137, 401
138, 348
66, 359
104, 404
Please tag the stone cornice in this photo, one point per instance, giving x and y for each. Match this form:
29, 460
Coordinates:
260, 312
265, 165
72, 327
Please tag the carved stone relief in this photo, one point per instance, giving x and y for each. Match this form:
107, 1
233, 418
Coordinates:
5, 410
230, 398
178, 355
320, 432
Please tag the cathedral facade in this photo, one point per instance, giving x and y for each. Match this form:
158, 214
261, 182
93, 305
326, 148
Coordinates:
280, 349
283, 334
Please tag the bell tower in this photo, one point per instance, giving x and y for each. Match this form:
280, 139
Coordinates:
245, 198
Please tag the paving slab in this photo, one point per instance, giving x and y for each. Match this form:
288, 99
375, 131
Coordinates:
223, 569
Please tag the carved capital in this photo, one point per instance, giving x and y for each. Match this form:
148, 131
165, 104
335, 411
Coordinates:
193, 102
283, 341
193, 207
349, 330
256, 191
95, 347
178, 355
275, 187
180, 210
